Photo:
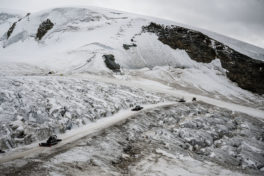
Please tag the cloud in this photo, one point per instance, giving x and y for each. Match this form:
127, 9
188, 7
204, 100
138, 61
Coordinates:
240, 19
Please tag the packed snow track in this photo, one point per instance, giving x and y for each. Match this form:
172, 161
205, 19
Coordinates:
157, 87
191, 138
77, 134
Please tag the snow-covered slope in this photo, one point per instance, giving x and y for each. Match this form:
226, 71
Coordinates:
80, 32
54, 78
81, 36
7, 18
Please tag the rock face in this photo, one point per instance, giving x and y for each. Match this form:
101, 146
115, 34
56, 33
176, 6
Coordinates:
110, 63
248, 73
127, 46
11, 29
44, 27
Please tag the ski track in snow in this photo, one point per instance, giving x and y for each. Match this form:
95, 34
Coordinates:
79, 133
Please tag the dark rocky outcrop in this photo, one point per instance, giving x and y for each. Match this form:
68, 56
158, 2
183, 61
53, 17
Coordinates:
127, 47
248, 73
11, 29
44, 27
110, 63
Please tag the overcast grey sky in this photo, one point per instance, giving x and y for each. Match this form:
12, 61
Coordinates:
240, 19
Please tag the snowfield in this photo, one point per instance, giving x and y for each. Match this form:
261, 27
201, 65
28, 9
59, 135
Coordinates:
80, 37
62, 85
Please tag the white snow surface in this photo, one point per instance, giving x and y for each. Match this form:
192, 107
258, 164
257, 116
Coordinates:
7, 18
81, 36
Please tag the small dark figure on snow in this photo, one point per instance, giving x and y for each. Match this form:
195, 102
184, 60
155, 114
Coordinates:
194, 99
53, 140
137, 108
182, 100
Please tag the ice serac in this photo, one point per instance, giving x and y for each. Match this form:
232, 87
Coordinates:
248, 73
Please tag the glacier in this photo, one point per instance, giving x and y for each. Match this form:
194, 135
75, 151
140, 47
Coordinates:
60, 84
